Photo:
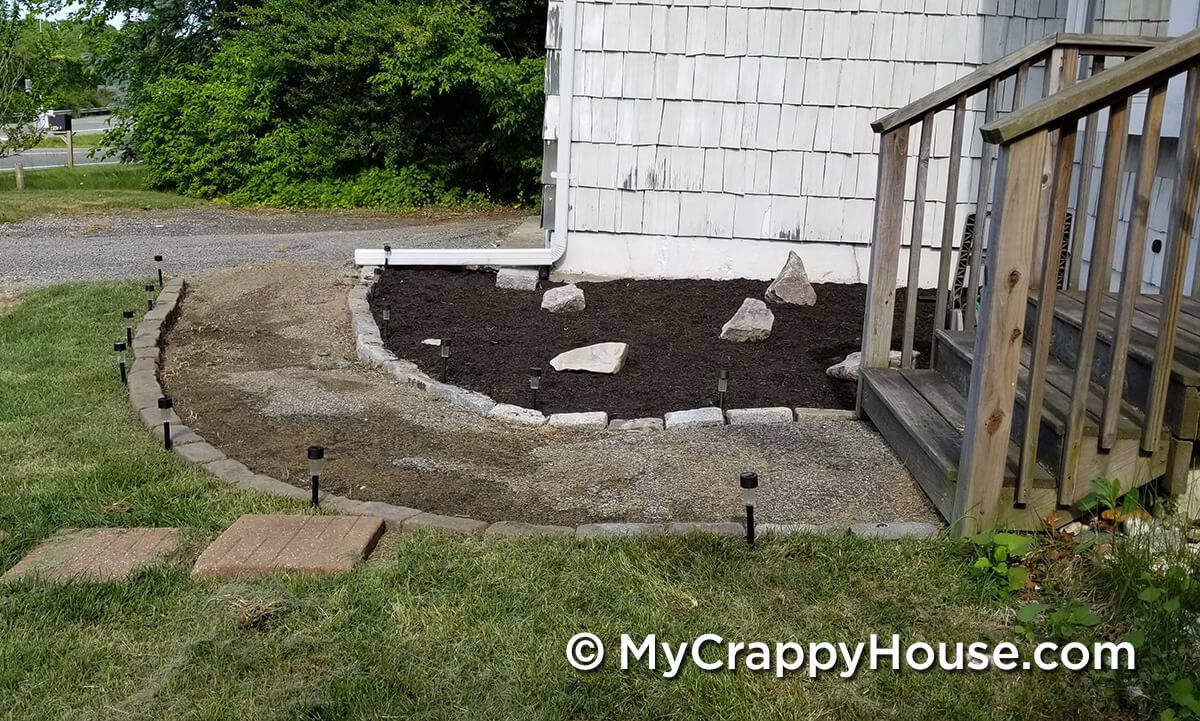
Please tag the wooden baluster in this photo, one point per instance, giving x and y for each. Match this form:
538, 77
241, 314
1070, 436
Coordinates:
885, 252
1020, 86
1084, 196
940, 317
915, 243
1099, 274
1131, 272
1062, 69
1050, 248
1179, 240
981, 205
998, 341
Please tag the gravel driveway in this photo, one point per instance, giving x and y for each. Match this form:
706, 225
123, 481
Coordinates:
44, 251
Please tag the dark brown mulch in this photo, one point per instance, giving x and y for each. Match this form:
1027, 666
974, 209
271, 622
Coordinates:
671, 326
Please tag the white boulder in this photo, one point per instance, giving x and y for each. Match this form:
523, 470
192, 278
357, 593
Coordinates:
848, 369
791, 285
597, 358
564, 299
752, 322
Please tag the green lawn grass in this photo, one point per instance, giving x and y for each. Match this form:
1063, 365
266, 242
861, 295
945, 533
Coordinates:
90, 140
433, 627
83, 189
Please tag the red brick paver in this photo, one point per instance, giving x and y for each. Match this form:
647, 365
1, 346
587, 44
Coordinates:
95, 554
256, 545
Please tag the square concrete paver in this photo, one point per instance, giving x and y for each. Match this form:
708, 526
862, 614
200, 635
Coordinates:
256, 545
95, 554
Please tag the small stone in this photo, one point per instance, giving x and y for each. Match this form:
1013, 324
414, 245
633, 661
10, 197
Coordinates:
848, 369
564, 299
593, 421
636, 424
593, 530
517, 278
894, 530
515, 528
740, 416
751, 323
697, 418
791, 285
517, 415
597, 358
1074, 528
432, 341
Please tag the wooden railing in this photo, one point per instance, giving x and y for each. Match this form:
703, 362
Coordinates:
1030, 148
1027, 141
1004, 83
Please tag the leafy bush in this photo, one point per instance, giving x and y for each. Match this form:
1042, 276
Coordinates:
386, 104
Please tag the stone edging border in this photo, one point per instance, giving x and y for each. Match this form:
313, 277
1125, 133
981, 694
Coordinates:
145, 390
369, 345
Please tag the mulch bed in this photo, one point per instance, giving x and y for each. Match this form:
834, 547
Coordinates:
671, 326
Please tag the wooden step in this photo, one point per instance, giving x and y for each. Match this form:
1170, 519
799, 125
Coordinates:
1183, 395
922, 415
953, 355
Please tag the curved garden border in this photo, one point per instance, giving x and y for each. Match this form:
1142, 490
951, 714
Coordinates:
145, 390
369, 344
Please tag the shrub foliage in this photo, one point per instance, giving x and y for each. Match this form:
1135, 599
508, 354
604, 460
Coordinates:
386, 103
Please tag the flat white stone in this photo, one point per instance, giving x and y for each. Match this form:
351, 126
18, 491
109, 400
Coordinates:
791, 285
432, 341
751, 323
518, 415
597, 358
740, 416
636, 424
564, 299
591, 421
696, 418
517, 278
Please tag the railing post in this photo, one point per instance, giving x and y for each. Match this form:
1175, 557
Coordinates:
999, 336
885, 252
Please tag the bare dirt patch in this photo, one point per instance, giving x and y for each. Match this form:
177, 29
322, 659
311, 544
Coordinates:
262, 364
672, 328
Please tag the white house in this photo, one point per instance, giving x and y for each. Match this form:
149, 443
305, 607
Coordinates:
707, 138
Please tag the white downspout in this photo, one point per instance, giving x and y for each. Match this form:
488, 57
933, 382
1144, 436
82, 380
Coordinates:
514, 257
566, 118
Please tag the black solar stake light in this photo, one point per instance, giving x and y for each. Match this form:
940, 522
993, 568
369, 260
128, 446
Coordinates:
445, 357
387, 255
158, 264
749, 484
722, 386
387, 322
119, 348
150, 297
316, 456
535, 383
164, 405
128, 316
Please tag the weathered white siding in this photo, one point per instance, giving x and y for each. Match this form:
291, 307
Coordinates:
712, 136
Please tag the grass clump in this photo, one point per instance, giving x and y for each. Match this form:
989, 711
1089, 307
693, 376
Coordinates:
82, 190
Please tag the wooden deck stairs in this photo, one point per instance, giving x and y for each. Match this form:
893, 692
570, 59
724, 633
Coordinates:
1052, 363
922, 414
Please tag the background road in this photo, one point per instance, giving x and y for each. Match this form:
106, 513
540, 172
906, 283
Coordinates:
57, 157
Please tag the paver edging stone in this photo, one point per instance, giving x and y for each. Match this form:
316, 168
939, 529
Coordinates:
145, 389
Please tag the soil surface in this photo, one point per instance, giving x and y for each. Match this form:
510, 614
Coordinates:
672, 328
262, 364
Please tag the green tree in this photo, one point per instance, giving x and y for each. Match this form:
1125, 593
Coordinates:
18, 109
